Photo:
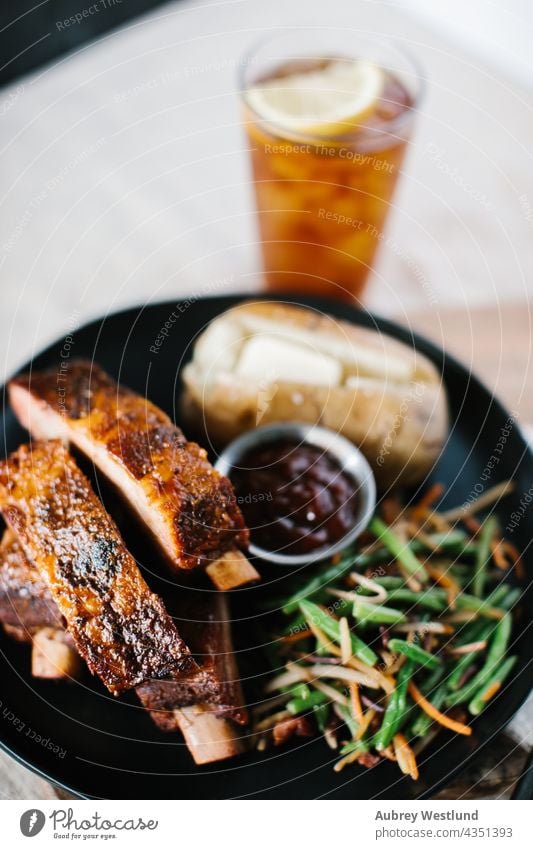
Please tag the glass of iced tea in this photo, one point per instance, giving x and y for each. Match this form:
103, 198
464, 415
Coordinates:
328, 117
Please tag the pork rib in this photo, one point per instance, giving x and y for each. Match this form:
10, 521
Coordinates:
204, 624
190, 510
25, 599
120, 628
199, 705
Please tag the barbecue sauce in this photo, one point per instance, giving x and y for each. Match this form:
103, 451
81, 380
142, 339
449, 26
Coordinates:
295, 497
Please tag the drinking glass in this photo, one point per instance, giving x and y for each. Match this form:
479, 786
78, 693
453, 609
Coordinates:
323, 200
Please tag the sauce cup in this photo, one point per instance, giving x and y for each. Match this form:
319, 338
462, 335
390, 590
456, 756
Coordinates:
346, 455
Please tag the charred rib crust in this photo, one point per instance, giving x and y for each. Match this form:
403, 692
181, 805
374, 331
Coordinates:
120, 628
203, 622
197, 505
25, 599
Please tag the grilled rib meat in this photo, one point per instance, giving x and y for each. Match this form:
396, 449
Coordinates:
120, 628
189, 508
24, 597
204, 624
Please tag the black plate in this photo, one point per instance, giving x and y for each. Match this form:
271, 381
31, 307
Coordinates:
93, 745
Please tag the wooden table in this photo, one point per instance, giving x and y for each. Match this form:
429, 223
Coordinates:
494, 342
125, 179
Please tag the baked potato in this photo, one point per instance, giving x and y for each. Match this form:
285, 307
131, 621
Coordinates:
267, 361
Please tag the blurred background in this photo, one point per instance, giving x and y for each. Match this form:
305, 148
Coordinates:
125, 172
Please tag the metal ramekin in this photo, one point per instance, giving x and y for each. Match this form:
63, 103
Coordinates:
350, 459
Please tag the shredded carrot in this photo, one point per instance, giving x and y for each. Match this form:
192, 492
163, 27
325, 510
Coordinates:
390, 510
472, 524
491, 691
367, 719
498, 553
323, 638
446, 581
388, 753
405, 756
347, 759
294, 638
435, 714
514, 554
429, 498
355, 702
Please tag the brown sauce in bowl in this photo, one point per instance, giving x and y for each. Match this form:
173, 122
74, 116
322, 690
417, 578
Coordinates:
296, 498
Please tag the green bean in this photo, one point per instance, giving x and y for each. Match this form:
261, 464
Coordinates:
511, 598
497, 595
415, 653
464, 601
348, 719
313, 613
432, 678
483, 555
435, 600
500, 639
300, 705
396, 711
389, 582
464, 663
340, 607
377, 613
299, 691
483, 632
445, 541
354, 746
478, 629
479, 702
460, 571
325, 577
398, 548
321, 713
450, 542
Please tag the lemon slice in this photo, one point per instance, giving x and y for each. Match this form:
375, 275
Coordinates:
327, 102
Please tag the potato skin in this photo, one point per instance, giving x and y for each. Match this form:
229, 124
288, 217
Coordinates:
400, 426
